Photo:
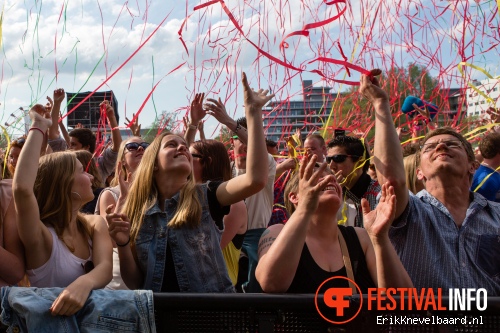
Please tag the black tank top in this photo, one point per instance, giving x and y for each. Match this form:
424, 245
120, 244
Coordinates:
309, 275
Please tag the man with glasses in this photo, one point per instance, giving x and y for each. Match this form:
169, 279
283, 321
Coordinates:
348, 158
446, 235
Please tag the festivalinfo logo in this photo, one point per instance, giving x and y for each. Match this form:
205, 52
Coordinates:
335, 305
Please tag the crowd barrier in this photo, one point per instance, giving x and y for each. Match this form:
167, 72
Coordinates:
290, 313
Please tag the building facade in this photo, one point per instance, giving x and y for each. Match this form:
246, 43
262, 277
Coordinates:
283, 118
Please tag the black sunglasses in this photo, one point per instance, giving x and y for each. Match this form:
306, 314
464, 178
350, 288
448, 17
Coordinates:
21, 141
133, 146
197, 155
88, 267
339, 158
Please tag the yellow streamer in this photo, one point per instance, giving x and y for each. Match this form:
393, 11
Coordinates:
460, 69
7, 152
485, 179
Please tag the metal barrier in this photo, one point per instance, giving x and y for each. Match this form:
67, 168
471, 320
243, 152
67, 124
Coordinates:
290, 313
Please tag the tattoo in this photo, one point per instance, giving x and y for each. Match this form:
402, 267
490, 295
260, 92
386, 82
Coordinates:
265, 243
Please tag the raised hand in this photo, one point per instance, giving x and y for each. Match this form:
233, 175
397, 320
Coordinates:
378, 221
370, 87
59, 95
424, 112
494, 115
310, 183
134, 126
124, 183
49, 105
217, 110
197, 113
254, 99
118, 226
37, 115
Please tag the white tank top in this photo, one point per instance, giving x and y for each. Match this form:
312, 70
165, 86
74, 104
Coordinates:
62, 268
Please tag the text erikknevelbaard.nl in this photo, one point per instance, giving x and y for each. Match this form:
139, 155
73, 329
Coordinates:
432, 320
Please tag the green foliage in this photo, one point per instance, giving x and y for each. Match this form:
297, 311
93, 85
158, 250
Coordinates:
164, 122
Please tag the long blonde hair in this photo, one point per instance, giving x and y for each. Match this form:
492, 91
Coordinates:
143, 194
52, 189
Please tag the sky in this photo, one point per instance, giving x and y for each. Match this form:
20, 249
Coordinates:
134, 47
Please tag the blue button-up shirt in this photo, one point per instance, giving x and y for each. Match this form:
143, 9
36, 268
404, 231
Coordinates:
438, 254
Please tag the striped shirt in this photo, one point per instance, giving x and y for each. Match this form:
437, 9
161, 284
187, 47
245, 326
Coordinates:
438, 254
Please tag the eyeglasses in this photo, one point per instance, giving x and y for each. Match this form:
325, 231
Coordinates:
133, 146
21, 141
197, 155
88, 267
428, 147
339, 158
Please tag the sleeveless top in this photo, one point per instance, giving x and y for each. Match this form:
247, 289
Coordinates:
309, 275
62, 268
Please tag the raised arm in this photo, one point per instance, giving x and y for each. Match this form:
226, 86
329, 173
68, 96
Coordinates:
388, 157
196, 113
382, 260
116, 137
256, 174
217, 109
280, 247
54, 113
32, 231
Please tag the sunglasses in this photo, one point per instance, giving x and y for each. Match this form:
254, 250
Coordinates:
133, 146
339, 158
197, 155
88, 267
21, 141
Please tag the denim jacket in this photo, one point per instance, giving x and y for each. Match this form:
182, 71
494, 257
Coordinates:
199, 264
27, 310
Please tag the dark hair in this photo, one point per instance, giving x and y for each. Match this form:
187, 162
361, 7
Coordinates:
450, 131
85, 137
214, 160
242, 122
490, 145
353, 146
271, 143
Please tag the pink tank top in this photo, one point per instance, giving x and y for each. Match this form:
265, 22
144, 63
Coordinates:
62, 268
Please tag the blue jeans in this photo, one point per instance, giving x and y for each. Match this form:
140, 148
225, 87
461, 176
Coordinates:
27, 310
250, 247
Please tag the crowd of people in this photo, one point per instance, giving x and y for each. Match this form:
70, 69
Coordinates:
179, 215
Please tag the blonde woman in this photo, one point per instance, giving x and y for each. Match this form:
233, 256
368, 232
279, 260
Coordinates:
129, 157
414, 184
62, 247
172, 241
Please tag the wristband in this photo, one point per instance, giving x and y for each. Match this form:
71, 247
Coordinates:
37, 129
193, 127
123, 245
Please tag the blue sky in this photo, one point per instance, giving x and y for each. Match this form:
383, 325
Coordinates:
36, 39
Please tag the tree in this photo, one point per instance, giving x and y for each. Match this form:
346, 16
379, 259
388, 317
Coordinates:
165, 121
